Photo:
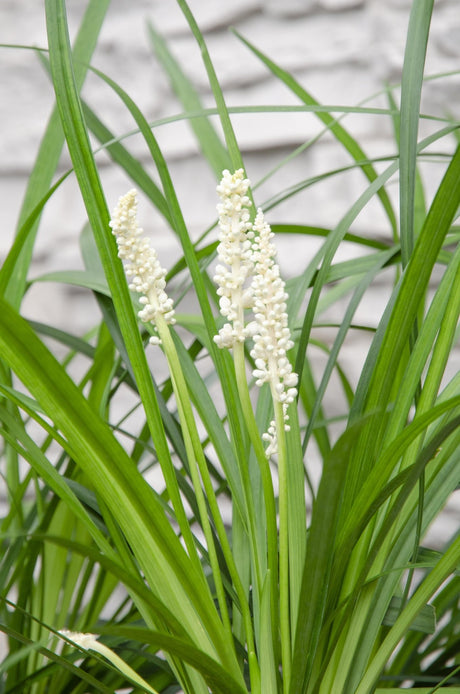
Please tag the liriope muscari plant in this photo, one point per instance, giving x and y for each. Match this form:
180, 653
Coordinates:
247, 277
252, 302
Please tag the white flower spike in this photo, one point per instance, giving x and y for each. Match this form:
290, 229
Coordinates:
89, 642
248, 277
141, 263
271, 335
234, 255
86, 641
272, 338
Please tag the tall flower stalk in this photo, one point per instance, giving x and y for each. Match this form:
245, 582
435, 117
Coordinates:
147, 278
248, 277
233, 278
272, 340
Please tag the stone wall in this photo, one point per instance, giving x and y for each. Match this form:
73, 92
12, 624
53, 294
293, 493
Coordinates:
342, 51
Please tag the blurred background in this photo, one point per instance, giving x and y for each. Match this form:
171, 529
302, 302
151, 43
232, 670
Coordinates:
343, 52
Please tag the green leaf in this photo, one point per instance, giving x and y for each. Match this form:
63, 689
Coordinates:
9, 272
52, 143
209, 141
318, 560
425, 621
419, 690
444, 568
411, 87
268, 674
322, 231
77, 278
126, 161
408, 298
230, 138
342, 135
171, 574
50, 655
216, 677
121, 487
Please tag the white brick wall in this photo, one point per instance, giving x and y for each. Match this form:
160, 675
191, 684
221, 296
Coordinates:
341, 50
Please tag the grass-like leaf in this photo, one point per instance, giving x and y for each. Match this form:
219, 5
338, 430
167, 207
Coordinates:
411, 87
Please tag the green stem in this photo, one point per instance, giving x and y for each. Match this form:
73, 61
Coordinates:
191, 449
193, 454
13, 481
198, 467
264, 466
283, 544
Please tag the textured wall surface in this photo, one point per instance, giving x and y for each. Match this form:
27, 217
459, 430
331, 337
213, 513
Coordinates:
341, 51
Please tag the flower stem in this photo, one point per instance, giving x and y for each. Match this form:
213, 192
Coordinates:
267, 482
283, 544
198, 468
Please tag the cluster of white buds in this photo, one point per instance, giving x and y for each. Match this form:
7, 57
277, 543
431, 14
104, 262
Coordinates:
245, 255
86, 641
89, 642
234, 255
141, 263
272, 338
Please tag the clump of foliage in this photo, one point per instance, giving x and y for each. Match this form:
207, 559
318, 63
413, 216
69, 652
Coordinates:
109, 581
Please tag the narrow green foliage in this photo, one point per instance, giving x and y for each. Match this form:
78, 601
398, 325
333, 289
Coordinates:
229, 497
411, 87
209, 141
339, 132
